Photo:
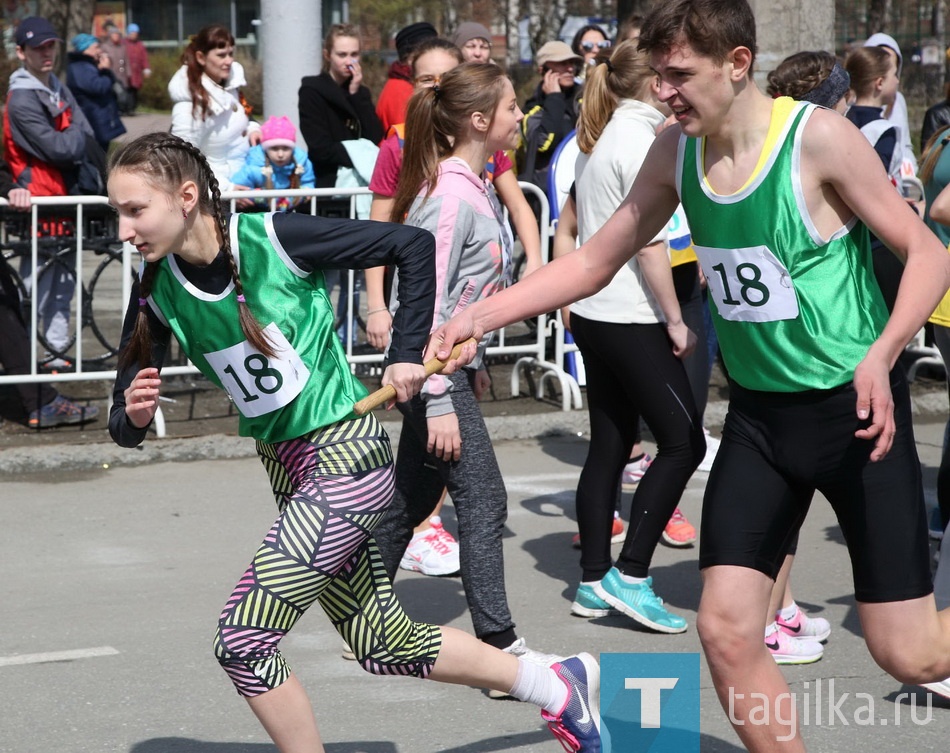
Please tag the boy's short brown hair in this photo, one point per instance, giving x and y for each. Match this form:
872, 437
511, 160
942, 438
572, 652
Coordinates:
713, 28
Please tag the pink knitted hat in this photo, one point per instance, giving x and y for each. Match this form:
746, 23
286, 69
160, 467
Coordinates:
278, 132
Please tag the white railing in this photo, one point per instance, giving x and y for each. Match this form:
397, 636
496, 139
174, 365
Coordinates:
530, 352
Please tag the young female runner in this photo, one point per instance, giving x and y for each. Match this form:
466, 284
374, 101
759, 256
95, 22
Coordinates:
245, 297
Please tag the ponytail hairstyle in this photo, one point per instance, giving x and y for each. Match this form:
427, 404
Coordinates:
166, 162
623, 74
438, 120
866, 65
932, 151
209, 38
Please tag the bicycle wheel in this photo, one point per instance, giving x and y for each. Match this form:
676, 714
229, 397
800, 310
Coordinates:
104, 308
55, 290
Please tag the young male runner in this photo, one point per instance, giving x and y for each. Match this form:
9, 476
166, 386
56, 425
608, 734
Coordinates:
779, 196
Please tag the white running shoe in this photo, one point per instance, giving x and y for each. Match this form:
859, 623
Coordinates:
712, 447
432, 552
633, 472
941, 688
787, 650
520, 649
803, 627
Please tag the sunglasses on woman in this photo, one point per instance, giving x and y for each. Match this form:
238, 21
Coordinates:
591, 46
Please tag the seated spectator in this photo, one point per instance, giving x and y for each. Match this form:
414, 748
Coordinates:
89, 75
551, 112
394, 98
41, 405
277, 162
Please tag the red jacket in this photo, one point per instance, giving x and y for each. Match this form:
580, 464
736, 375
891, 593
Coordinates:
394, 98
137, 56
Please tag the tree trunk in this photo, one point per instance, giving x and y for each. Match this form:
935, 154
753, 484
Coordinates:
69, 18
879, 16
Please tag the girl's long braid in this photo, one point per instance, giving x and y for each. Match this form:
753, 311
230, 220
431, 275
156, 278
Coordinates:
151, 151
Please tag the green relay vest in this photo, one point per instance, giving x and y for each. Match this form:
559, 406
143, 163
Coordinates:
308, 385
792, 311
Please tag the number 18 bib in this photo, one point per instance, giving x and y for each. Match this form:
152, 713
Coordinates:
258, 384
748, 284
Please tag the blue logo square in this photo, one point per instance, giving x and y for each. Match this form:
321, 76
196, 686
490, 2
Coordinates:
649, 703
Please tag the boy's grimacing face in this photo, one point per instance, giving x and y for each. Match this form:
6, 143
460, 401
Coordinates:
697, 88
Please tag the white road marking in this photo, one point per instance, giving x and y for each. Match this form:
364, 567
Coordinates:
542, 483
53, 656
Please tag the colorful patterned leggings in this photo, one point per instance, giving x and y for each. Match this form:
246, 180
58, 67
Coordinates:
332, 487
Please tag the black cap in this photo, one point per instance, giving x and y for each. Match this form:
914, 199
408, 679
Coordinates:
35, 31
413, 34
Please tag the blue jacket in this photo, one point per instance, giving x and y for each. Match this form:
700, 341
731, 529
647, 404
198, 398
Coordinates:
251, 174
93, 91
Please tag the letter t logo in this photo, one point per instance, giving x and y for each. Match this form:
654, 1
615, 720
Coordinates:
650, 688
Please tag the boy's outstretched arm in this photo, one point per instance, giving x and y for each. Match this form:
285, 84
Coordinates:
645, 211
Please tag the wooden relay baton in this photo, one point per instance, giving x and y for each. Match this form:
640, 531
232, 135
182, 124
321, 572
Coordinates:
433, 366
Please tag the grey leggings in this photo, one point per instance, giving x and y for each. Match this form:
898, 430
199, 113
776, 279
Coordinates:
480, 500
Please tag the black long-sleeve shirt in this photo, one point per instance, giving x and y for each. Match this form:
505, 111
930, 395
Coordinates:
312, 243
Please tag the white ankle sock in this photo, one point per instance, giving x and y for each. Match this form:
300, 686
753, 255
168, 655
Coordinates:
772, 627
630, 579
788, 612
541, 686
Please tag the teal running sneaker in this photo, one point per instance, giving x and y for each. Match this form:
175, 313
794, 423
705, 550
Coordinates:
589, 604
638, 602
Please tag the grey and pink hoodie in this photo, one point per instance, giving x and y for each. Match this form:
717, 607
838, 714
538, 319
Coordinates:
472, 254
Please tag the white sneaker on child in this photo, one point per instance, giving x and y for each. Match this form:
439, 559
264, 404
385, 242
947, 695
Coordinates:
787, 650
712, 447
432, 552
801, 626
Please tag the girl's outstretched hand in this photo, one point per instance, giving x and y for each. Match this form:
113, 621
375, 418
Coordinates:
141, 397
406, 378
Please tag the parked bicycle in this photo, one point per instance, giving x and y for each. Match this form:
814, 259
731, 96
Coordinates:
101, 290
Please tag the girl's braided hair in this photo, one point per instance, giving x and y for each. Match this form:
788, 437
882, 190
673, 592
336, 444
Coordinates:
166, 162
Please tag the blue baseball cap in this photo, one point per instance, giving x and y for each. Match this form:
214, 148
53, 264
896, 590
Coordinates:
132, 29
35, 31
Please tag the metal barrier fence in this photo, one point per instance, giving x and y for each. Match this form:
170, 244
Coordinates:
59, 236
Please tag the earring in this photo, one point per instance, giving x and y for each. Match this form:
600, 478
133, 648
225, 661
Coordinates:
184, 214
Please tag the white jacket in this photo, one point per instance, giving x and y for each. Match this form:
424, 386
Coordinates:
223, 135
603, 180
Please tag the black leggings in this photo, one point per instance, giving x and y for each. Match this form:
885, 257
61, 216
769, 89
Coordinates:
631, 370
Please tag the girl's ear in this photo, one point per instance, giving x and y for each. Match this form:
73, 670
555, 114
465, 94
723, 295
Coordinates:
200, 58
479, 122
189, 195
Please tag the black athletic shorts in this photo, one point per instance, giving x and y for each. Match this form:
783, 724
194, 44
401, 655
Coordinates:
778, 448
